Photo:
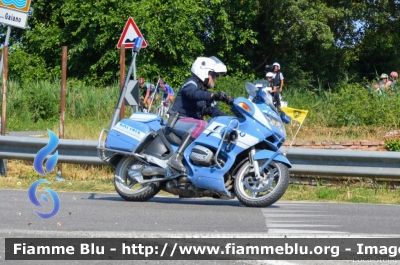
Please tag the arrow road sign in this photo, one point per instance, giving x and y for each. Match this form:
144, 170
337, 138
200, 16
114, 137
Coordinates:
132, 93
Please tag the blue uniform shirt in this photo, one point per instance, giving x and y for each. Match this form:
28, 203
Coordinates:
194, 102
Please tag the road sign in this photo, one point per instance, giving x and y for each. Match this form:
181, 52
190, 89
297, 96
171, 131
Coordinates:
14, 13
129, 34
13, 18
20, 5
132, 93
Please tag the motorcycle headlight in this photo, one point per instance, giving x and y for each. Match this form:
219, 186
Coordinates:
277, 123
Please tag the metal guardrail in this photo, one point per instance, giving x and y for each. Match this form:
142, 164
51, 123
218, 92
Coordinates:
352, 163
322, 162
69, 151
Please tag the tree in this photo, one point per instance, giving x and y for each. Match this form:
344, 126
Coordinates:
315, 41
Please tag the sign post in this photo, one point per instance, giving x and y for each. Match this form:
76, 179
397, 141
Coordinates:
12, 13
131, 38
137, 47
3, 163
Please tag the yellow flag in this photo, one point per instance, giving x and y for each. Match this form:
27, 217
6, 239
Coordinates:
296, 114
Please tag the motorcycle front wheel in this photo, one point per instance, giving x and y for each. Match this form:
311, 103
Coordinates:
127, 187
264, 191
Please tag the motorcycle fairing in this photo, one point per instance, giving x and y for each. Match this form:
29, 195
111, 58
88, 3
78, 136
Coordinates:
217, 127
254, 113
253, 128
268, 111
250, 133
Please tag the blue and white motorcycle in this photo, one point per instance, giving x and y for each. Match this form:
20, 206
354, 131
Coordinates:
234, 156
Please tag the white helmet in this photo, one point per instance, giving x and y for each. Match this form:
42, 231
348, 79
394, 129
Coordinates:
277, 64
269, 74
203, 65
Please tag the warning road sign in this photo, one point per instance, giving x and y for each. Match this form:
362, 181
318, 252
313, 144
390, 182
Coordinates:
132, 93
129, 34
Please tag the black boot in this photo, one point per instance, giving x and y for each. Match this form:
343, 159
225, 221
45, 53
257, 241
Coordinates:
175, 161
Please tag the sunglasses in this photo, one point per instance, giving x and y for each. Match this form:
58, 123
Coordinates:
213, 75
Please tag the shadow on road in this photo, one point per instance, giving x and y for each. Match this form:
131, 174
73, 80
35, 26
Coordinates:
100, 197
171, 200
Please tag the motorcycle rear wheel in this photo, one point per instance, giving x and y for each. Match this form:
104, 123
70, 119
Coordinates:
127, 187
263, 192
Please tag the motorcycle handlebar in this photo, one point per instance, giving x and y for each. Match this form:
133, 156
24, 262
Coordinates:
229, 100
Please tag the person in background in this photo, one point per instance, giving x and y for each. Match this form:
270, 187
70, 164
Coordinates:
393, 81
192, 103
147, 94
278, 80
270, 88
383, 82
382, 85
166, 89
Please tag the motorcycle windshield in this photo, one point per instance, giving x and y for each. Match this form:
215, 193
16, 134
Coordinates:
264, 95
269, 110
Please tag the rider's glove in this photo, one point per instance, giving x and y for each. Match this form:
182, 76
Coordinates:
221, 96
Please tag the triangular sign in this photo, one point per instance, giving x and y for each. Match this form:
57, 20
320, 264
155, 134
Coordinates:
129, 34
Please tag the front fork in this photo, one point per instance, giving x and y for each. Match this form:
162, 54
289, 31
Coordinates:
267, 155
254, 162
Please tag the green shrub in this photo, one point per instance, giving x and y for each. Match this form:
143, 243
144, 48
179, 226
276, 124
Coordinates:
42, 101
351, 105
347, 106
393, 144
90, 102
26, 67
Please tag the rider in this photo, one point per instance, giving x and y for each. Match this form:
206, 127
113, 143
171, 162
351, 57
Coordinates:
147, 93
383, 82
193, 101
166, 89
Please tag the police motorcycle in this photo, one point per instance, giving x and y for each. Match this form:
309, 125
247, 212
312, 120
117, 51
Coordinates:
235, 156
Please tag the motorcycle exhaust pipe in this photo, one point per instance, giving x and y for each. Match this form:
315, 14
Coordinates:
153, 171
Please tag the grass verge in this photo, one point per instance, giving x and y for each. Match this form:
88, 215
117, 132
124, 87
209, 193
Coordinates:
89, 129
100, 179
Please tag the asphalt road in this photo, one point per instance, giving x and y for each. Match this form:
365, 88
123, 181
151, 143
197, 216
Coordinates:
107, 215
